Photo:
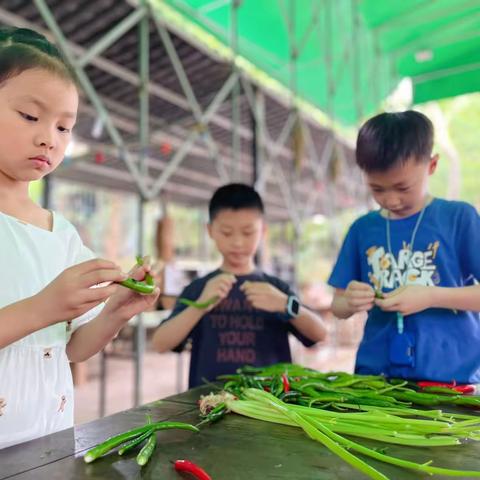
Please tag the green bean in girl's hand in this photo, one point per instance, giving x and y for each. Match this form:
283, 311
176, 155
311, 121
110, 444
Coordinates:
146, 286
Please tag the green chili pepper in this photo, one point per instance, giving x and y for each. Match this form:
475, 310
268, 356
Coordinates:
276, 386
117, 440
146, 286
137, 286
147, 450
136, 441
148, 278
199, 305
214, 415
289, 396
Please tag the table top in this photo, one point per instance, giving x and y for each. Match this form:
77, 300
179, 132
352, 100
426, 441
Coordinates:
236, 448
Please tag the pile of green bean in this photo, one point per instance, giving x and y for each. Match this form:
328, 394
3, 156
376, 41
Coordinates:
329, 405
340, 390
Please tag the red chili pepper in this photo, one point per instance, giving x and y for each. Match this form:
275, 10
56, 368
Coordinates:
452, 386
286, 383
189, 467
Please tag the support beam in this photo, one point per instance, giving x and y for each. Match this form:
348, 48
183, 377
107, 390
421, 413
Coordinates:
180, 155
112, 36
236, 113
189, 94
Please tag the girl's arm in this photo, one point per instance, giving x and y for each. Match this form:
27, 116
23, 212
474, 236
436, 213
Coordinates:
18, 320
90, 338
120, 308
65, 298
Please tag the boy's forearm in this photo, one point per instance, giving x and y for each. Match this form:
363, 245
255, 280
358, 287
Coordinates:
340, 307
19, 320
310, 324
456, 298
89, 339
171, 333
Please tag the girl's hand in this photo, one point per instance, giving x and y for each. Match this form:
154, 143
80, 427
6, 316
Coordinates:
126, 303
72, 294
217, 287
359, 296
407, 299
264, 296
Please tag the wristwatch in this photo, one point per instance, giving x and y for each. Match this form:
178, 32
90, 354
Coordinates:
293, 306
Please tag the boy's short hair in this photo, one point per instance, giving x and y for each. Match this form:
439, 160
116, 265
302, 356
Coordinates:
389, 139
234, 196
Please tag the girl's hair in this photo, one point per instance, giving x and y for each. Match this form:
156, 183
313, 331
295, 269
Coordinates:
22, 49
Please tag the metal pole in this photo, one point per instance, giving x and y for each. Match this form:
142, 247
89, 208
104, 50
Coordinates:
255, 143
103, 383
143, 129
356, 61
256, 153
140, 340
236, 114
331, 91
46, 193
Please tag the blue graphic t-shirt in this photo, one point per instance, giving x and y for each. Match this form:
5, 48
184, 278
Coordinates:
445, 343
234, 333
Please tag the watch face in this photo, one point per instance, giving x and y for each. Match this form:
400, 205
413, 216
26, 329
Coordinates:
295, 307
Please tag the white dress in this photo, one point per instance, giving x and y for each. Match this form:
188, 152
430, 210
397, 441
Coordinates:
36, 388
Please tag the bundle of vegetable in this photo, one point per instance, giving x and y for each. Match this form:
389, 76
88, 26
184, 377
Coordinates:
128, 440
402, 426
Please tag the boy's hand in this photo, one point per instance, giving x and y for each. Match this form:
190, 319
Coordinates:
126, 303
264, 296
359, 296
217, 287
406, 300
71, 294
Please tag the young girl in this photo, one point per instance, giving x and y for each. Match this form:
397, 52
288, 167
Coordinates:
49, 313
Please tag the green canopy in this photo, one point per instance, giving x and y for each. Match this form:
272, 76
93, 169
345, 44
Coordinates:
341, 57
436, 43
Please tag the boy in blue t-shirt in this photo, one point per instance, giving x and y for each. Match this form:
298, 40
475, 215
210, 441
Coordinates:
413, 264
253, 312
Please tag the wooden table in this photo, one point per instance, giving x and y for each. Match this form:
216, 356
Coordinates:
236, 448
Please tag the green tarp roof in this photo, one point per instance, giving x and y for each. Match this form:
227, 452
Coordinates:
350, 54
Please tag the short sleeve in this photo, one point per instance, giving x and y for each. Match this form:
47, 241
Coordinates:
468, 241
347, 266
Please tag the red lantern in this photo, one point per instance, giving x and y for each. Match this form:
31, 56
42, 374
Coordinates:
165, 148
99, 158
